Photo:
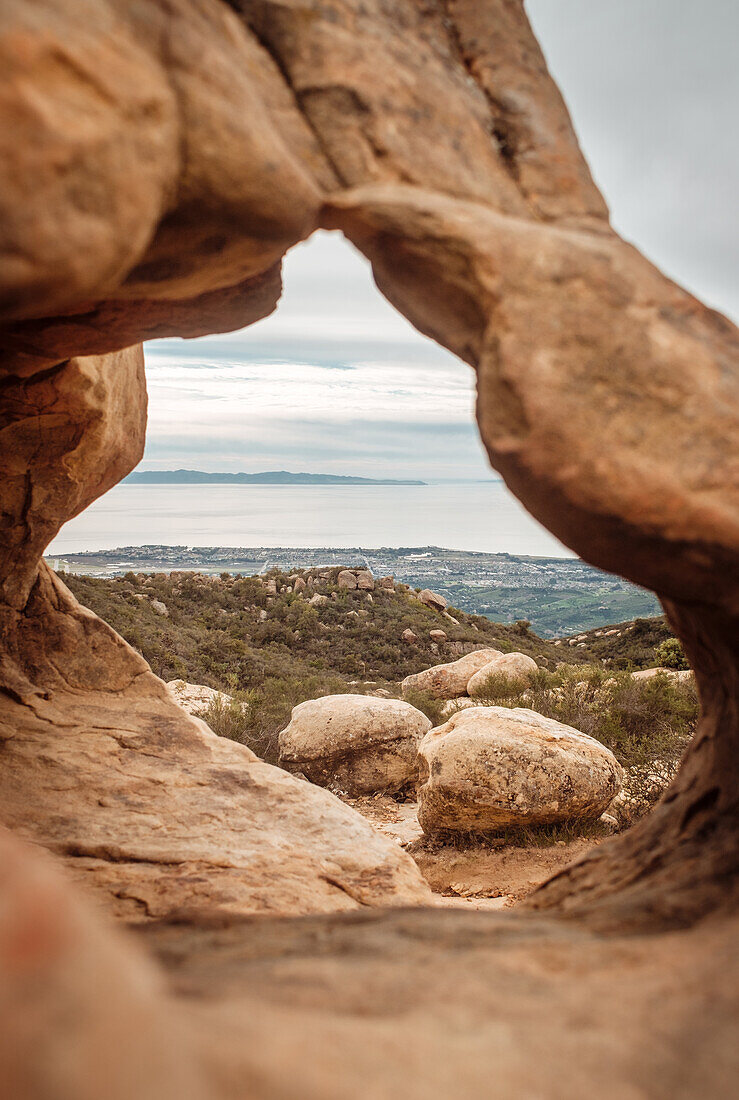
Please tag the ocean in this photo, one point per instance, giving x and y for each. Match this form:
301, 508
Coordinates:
480, 516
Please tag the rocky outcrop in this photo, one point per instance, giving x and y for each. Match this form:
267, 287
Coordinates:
354, 743
449, 680
491, 768
432, 599
509, 666
195, 698
159, 815
347, 579
681, 676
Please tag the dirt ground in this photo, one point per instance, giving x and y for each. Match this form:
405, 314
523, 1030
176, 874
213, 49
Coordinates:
488, 875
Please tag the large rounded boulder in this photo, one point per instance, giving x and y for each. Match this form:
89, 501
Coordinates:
354, 743
489, 768
509, 666
450, 680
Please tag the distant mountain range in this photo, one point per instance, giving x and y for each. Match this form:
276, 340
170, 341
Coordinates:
269, 477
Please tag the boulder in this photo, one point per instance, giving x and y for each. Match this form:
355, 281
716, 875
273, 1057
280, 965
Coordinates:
432, 599
680, 676
365, 581
318, 600
195, 698
438, 635
347, 579
513, 666
386, 582
450, 680
409, 636
355, 743
489, 768
160, 608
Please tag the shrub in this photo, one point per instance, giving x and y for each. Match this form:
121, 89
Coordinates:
670, 654
255, 718
639, 720
428, 704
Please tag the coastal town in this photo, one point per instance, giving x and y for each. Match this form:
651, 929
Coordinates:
557, 595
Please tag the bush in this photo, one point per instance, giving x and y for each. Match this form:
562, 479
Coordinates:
255, 718
670, 654
427, 704
641, 721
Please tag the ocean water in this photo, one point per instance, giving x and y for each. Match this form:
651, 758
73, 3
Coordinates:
482, 516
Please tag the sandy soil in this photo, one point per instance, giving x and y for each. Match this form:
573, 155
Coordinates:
492, 875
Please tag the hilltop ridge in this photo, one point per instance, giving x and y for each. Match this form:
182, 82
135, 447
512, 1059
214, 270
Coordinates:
266, 477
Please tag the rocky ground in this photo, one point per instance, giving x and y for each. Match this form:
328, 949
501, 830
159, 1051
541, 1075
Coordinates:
489, 873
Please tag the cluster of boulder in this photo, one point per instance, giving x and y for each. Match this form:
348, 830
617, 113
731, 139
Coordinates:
348, 579
468, 677
484, 769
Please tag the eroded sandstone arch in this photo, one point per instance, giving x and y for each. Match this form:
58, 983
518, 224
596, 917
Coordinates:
158, 160
161, 158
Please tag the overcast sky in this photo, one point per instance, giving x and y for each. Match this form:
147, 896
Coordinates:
337, 381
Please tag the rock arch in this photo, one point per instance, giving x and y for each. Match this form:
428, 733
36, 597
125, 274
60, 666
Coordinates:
160, 159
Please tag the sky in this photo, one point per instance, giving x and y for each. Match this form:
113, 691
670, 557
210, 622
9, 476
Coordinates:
337, 381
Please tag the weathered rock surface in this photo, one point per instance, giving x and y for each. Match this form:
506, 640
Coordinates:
77, 997
347, 579
447, 681
511, 666
160, 815
195, 698
608, 399
432, 599
492, 767
262, 1000
354, 743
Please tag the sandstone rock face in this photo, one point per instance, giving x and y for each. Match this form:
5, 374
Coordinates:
492, 767
77, 997
356, 743
608, 399
449, 680
432, 599
160, 815
195, 698
511, 666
